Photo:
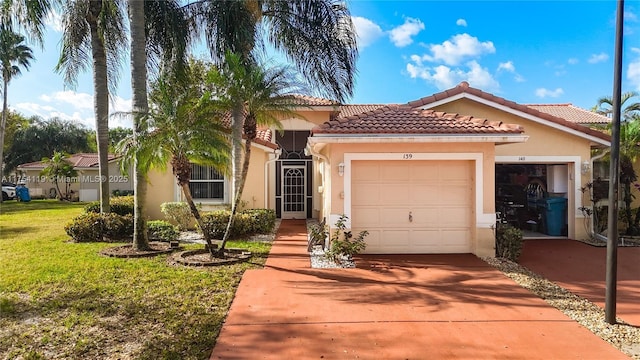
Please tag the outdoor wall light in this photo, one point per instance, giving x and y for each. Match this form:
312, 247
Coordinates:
341, 169
586, 167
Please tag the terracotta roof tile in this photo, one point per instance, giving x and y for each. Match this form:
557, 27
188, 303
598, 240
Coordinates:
403, 119
80, 160
307, 100
464, 87
571, 113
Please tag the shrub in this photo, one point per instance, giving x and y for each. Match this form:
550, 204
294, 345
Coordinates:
343, 244
317, 235
248, 222
508, 242
85, 227
162, 230
117, 227
92, 227
262, 220
178, 212
121, 205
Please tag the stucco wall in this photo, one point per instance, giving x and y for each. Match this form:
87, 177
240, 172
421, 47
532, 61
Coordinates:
483, 239
161, 188
545, 145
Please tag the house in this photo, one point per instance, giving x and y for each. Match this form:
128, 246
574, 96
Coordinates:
427, 176
86, 184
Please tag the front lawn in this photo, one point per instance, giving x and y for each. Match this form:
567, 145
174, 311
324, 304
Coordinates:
62, 300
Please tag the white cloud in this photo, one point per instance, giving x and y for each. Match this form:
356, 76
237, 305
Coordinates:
630, 16
402, 35
461, 22
519, 78
444, 77
54, 21
633, 70
598, 58
76, 107
367, 31
507, 66
543, 93
573, 61
461, 46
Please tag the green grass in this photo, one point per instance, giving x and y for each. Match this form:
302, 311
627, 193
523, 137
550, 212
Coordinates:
61, 299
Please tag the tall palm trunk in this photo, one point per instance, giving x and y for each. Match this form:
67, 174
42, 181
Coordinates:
140, 107
100, 102
3, 122
237, 122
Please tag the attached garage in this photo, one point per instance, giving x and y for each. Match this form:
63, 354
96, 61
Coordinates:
413, 207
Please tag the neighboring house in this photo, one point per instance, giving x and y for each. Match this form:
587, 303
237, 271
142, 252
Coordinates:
85, 186
421, 177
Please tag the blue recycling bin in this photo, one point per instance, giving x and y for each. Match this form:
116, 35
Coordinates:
554, 214
22, 193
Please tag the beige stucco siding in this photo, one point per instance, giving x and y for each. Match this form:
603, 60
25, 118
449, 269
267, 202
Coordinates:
545, 144
253, 193
482, 241
161, 188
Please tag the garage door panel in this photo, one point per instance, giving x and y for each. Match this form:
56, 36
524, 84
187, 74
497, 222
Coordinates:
395, 237
367, 171
394, 172
400, 196
367, 217
367, 194
456, 195
393, 217
425, 193
455, 237
453, 171
455, 216
425, 171
426, 217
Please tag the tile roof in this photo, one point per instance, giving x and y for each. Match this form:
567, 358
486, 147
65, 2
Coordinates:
403, 119
80, 160
571, 113
464, 87
307, 100
354, 109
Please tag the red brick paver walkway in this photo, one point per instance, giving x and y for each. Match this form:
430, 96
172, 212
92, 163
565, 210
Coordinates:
393, 307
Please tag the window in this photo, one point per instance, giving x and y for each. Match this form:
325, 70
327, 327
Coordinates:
206, 183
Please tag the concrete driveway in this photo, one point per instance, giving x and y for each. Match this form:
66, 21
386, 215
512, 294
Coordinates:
581, 269
393, 307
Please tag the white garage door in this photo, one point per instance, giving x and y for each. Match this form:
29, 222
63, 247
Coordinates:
416, 207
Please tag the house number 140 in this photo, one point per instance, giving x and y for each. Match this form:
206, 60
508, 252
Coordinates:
407, 156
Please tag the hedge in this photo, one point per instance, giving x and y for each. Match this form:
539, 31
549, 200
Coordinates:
247, 222
162, 230
94, 227
121, 205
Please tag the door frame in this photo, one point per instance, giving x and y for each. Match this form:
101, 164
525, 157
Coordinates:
291, 214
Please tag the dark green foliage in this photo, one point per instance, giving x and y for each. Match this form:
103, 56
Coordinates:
508, 242
162, 230
121, 205
317, 235
92, 227
343, 244
85, 227
248, 222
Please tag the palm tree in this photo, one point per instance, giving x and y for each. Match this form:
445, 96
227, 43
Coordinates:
59, 168
93, 33
164, 36
14, 54
183, 127
266, 94
30, 15
317, 35
605, 106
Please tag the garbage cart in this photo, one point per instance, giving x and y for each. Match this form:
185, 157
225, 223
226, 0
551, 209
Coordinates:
554, 214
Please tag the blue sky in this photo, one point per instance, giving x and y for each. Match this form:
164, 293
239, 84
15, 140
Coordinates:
525, 51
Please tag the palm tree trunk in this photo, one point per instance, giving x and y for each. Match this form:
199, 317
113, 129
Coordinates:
238, 195
100, 103
3, 122
140, 107
196, 214
237, 122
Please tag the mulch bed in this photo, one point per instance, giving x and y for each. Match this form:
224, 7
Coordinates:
127, 251
202, 257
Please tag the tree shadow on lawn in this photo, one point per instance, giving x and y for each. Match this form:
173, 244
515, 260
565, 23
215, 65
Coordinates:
9, 233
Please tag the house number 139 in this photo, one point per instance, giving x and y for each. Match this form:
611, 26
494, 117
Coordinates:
407, 156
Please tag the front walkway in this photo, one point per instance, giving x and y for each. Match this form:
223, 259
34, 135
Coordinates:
393, 307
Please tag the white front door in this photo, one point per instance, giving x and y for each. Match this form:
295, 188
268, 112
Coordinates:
293, 192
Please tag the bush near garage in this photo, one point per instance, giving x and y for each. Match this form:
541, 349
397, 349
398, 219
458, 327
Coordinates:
178, 212
121, 205
247, 222
508, 242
